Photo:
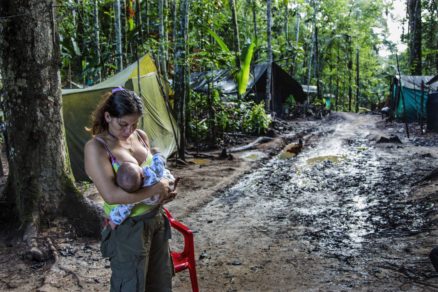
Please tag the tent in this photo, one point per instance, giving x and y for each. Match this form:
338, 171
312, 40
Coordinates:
283, 85
433, 80
409, 97
432, 112
157, 121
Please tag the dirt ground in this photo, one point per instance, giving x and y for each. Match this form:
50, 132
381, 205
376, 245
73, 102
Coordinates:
347, 213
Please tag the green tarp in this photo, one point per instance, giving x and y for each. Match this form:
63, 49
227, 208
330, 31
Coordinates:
157, 122
409, 97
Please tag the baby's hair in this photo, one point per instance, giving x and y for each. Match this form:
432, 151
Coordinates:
128, 177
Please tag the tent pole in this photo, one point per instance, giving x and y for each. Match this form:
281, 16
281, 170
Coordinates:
403, 98
422, 106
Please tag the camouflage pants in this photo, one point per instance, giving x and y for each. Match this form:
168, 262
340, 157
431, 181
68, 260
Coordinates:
138, 250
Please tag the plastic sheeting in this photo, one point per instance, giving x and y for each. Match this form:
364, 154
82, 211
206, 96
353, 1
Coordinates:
157, 122
411, 103
432, 112
283, 85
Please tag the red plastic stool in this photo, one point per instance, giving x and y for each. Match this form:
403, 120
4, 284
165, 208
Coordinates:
185, 259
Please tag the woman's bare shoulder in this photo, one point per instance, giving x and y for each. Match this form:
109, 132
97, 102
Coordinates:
93, 146
144, 136
142, 133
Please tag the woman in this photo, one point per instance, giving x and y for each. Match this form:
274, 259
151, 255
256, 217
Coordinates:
138, 248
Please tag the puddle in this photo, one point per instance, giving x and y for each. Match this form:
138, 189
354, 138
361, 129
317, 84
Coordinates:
253, 155
332, 158
286, 155
200, 161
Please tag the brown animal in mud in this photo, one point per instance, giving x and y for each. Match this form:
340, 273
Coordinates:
294, 148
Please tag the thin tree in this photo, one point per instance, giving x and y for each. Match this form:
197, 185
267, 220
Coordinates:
350, 71
163, 39
254, 19
40, 186
269, 69
236, 33
311, 54
414, 41
139, 18
182, 73
96, 39
286, 22
118, 35
357, 80
146, 8
297, 38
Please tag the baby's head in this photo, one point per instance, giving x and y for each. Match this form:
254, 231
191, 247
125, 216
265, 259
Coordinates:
129, 176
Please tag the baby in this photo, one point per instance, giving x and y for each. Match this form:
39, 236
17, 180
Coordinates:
131, 177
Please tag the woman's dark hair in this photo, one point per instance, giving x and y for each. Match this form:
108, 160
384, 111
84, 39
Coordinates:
118, 104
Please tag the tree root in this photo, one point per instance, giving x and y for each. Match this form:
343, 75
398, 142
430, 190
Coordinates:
251, 145
56, 265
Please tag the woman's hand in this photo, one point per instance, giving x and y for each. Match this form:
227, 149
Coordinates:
166, 193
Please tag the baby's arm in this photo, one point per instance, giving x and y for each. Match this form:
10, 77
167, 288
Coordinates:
158, 164
120, 213
150, 178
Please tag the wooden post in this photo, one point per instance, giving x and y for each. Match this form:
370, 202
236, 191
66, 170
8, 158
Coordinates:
357, 80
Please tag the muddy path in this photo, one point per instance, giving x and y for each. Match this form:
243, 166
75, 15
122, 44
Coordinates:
342, 215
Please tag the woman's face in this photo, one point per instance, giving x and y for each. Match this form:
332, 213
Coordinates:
123, 126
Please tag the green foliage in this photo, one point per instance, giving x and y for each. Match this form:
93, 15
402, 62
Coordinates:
342, 25
218, 39
243, 75
290, 102
198, 129
256, 121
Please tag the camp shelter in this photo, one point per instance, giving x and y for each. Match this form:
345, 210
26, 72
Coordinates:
432, 112
157, 121
409, 97
283, 85
433, 80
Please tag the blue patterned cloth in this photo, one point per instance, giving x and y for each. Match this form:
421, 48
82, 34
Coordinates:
152, 175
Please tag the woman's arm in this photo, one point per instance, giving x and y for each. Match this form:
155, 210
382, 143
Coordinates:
99, 169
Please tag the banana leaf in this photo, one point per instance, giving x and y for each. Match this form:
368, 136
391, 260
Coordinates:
218, 39
243, 75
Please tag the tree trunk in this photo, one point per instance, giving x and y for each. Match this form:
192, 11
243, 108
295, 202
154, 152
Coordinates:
118, 36
173, 8
96, 39
40, 186
286, 24
236, 33
297, 38
357, 80
139, 21
318, 66
350, 71
254, 19
163, 40
269, 70
337, 79
309, 66
182, 74
414, 45
146, 6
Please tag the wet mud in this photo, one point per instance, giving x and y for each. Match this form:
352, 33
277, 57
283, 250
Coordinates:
352, 210
341, 215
